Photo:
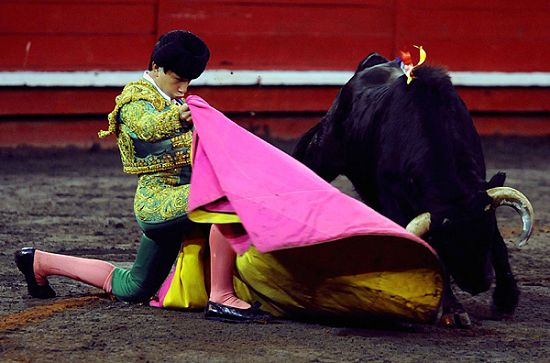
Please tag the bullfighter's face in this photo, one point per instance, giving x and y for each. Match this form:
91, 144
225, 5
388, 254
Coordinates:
169, 82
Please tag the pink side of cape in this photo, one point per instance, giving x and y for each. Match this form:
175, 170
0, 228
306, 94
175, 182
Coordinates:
281, 203
158, 301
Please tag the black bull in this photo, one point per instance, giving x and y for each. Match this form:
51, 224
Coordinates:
412, 150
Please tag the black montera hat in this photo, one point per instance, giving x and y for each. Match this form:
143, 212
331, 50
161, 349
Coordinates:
181, 52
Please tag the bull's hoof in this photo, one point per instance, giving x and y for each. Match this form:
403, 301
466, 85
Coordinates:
456, 320
498, 313
505, 300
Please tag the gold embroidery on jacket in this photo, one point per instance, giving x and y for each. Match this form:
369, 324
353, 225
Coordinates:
126, 148
159, 197
183, 140
162, 191
147, 123
149, 117
133, 91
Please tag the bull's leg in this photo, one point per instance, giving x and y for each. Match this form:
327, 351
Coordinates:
453, 313
506, 293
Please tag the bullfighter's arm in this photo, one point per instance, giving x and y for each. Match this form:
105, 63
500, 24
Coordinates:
148, 123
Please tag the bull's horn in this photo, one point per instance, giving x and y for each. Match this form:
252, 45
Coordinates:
517, 200
420, 225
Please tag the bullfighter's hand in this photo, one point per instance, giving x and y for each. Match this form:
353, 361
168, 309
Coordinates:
185, 113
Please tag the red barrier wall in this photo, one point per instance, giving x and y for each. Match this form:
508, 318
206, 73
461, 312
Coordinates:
475, 35
111, 35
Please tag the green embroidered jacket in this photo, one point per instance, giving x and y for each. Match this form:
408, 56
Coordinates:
154, 144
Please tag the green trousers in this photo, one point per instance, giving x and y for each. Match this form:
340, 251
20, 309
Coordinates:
158, 249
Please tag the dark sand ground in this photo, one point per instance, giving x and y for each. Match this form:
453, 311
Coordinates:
79, 202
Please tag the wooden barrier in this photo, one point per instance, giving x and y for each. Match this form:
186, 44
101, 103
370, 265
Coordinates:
286, 35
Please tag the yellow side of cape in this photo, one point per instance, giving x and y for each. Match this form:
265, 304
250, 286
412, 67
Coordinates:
203, 216
346, 279
362, 276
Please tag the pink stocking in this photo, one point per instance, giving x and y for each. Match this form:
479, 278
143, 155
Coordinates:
90, 271
222, 262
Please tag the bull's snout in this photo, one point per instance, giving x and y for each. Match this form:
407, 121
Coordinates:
476, 285
474, 289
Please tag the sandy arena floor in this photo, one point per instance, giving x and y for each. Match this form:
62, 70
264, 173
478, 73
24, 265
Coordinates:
79, 202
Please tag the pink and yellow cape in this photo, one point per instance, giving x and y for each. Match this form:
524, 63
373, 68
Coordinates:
304, 247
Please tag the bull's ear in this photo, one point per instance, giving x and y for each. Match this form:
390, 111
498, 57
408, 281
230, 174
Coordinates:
371, 60
496, 181
341, 107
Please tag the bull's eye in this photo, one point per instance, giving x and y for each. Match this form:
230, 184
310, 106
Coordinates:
411, 187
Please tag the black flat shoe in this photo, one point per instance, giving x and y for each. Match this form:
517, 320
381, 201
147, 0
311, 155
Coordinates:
228, 314
24, 259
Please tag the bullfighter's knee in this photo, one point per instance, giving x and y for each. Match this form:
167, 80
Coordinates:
130, 288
